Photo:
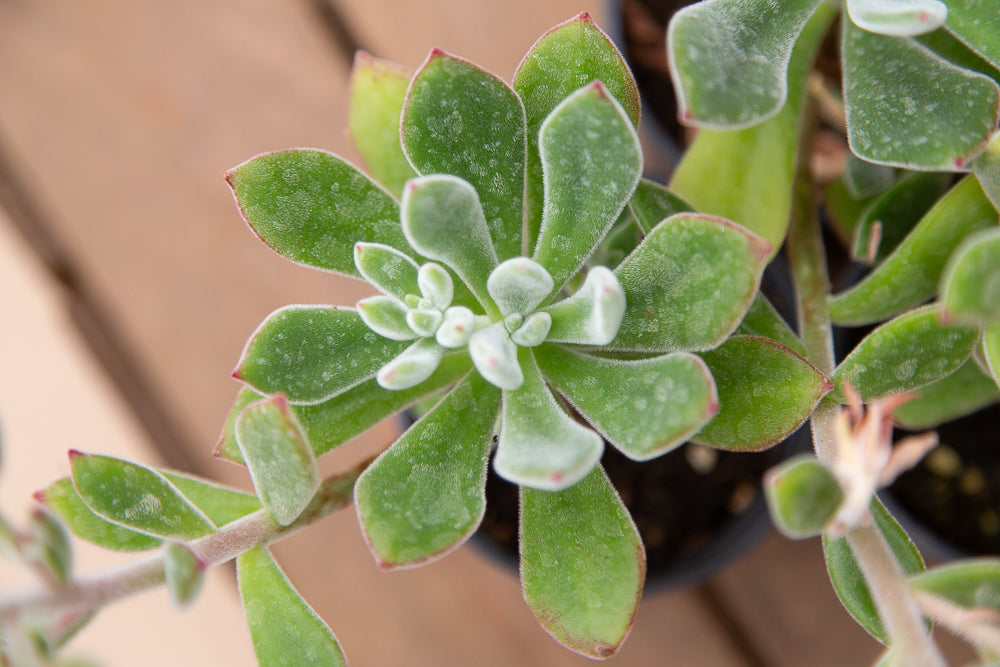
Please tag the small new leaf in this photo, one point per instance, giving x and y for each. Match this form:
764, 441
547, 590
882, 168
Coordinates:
803, 495
184, 572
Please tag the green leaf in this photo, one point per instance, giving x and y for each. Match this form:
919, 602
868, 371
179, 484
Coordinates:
279, 458
221, 504
676, 297
974, 22
653, 203
972, 583
136, 497
987, 170
337, 420
644, 407
765, 392
897, 211
729, 59
47, 547
991, 350
540, 445
864, 178
461, 120
312, 207
897, 109
912, 17
311, 353
752, 184
909, 276
963, 392
443, 219
426, 494
286, 632
582, 564
412, 366
185, 573
592, 162
763, 320
593, 314
803, 495
845, 573
843, 208
970, 283
62, 499
567, 57
906, 353
391, 271
376, 92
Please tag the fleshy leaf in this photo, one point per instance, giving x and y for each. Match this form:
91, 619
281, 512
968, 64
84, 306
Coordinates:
644, 407
845, 573
460, 119
443, 219
803, 495
765, 392
391, 271
387, 317
991, 349
279, 458
899, 18
436, 285
906, 353
971, 584
425, 323
582, 564
377, 89
753, 185
495, 356
653, 203
413, 365
953, 396
310, 353
976, 26
567, 57
540, 445
457, 327
285, 630
61, 498
763, 320
426, 494
312, 207
185, 573
729, 59
970, 284
334, 421
518, 285
534, 331
136, 497
593, 314
676, 296
592, 161
987, 170
909, 276
896, 111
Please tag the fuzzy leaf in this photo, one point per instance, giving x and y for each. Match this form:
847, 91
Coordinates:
977, 26
972, 584
897, 211
518, 285
592, 162
906, 353
991, 349
436, 285
540, 445
391, 271
729, 59
970, 283
534, 331
987, 170
899, 18
909, 276
845, 573
676, 296
803, 495
337, 420
220, 504
593, 314
653, 203
443, 219
312, 207
286, 632
136, 497
279, 458
426, 494
961, 393
896, 111
765, 392
495, 356
644, 407
62, 499
377, 89
763, 320
753, 184
185, 573
459, 119
582, 564
567, 57
413, 365
387, 317
310, 353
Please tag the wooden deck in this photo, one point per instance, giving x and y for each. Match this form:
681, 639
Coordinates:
129, 286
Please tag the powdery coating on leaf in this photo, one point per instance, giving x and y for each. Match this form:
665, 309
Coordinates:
518, 285
977, 24
897, 18
729, 59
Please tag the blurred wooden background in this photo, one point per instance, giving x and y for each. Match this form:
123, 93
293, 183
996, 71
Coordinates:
130, 285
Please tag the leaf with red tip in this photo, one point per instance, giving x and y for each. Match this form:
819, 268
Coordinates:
425, 495
582, 564
312, 207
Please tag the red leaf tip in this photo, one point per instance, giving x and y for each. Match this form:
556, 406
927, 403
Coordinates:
281, 401
599, 89
959, 163
585, 16
437, 52
362, 58
74, 454
39, 496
